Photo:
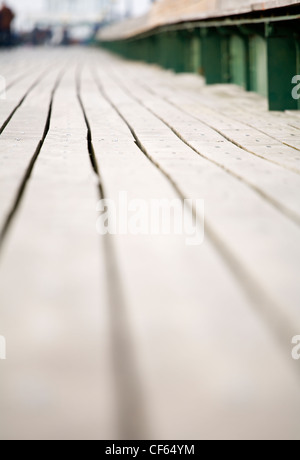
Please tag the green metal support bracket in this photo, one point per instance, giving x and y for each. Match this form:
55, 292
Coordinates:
215, 56
282, 68
240, 60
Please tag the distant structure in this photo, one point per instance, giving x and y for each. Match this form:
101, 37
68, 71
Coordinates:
47, 13
74, 11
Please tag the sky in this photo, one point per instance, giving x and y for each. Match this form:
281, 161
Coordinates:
26, 9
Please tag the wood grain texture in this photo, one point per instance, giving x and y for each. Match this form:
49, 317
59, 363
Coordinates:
144, 337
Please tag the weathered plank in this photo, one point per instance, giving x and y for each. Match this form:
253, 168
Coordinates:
20, 142
16, 64
258, 236
19, 86
57, 382
141, 335
269, 137
172, 307
277, 185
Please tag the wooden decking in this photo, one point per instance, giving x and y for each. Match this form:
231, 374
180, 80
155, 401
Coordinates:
143, 336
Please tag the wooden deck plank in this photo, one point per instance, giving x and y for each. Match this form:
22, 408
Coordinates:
251, 109
19, 85
14, 96
16, 65
20, 140
273, 128
142, 336
258, 236
277, 185
214, 107
57, 382
171, 308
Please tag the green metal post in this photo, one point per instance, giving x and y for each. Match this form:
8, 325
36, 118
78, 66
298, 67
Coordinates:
153, 49
282, 67
214, 51
188, 38
176, 51
258, 65
239, 61
167, 50
196, 55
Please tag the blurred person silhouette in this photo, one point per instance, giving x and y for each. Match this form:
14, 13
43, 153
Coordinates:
66, 37
6, 18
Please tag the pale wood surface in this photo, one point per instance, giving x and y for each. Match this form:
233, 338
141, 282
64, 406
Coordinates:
143, 336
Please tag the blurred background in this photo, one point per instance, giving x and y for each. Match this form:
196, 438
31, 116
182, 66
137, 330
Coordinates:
63, 22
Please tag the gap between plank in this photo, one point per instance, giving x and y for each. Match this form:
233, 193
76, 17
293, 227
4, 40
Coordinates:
271, 313
232, 141
12, 83
22, 100
29, 170
131, 418
227, 137
294, 217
